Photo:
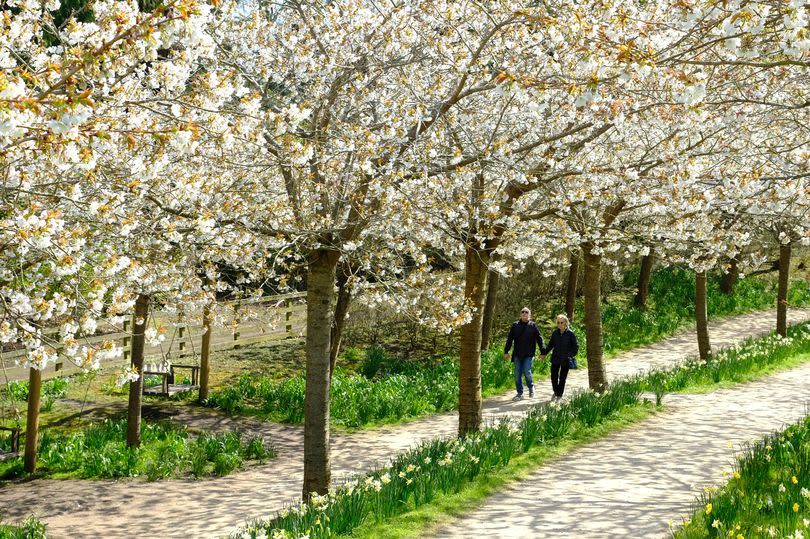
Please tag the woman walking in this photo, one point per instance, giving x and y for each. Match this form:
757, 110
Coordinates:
564, 344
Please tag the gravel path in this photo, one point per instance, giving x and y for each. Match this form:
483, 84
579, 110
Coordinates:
633, 483
214, 507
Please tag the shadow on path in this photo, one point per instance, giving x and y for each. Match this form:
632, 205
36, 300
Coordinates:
633, 483
214, 507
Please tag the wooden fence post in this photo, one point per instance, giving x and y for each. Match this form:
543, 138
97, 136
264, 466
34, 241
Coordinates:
181, 333
288, 317
236, 321
125, 342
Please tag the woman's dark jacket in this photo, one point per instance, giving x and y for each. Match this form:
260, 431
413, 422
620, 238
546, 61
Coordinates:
525, 335
565, 346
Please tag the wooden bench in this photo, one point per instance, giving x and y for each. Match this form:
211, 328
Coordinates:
167, 386
15, 438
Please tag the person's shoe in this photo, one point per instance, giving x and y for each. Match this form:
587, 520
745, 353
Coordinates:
517, 398
531, 393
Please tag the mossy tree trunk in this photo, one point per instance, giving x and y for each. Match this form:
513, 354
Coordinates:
571, 290
644, 277
32, 424
476, 270
729, 280
493, 282
205, 354
139, 321
321, 271
597, 377
701, 316
782, 292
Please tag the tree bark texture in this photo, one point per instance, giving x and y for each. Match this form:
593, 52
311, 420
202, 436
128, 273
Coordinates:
701, 316
493, 281
571, 290
344, 298
205, 354
32, 424
597, 377
644, 277
136, 387
781, 296
476, 270
320, 312
729, 279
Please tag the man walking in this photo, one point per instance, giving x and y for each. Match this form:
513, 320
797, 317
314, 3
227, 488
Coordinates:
526, 337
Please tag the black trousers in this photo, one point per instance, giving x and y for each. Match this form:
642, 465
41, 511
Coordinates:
558, 375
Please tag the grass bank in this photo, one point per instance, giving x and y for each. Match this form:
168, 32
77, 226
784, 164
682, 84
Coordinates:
167, 450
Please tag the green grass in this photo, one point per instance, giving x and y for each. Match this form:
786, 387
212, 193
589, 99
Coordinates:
390, 390
671, 306
167, 450
748, 360
768, 494
30, 528
53, 389
763, 370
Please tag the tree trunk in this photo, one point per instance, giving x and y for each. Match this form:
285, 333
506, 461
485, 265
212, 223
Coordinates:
571, 291
701, 316
320, 307
32, 424
136, 387
644, 277
597, 377
729, 280
344, 299
784, 281
205, 352
493, 281
476, 268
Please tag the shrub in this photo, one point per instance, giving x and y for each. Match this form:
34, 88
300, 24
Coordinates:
374, 359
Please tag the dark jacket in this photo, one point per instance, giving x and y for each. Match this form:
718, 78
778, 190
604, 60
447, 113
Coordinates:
525, 335
564, 344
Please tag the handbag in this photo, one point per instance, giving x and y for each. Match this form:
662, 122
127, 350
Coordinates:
572, 363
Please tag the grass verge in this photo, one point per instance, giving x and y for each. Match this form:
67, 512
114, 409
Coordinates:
767, 496
441, 467
747, 361
30, 528
166, 450
420, 521
444, 477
